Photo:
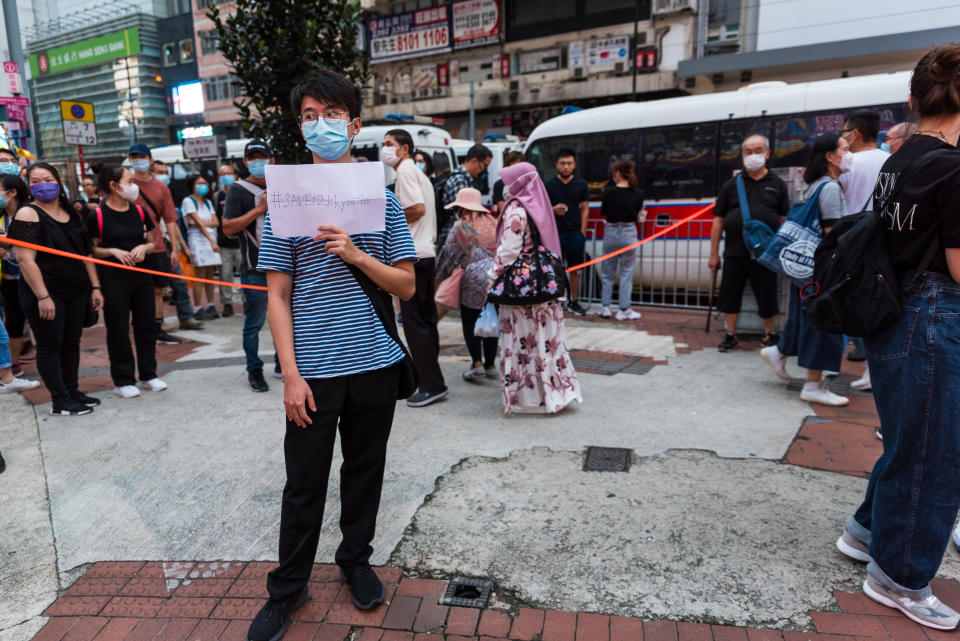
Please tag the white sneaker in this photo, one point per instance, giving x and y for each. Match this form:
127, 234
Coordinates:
776, 361
829, 373
126, 391
956, 536
627, 314
862, 384
816, 393
155, 385
604, 312
18, 385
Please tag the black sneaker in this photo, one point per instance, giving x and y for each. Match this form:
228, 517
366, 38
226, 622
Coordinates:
856, 356
212, 313
3, 464
574, 307
69, 407
273, 619
257, 384
80, 397
366, 590
770, 339
167, 339
227, 310
728, 343
202, 315
425, 398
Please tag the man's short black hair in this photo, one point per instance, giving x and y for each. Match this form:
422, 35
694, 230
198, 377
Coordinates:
479, 152
159, 163
5, 151
566, 152
328, 87
403, 139
866, 122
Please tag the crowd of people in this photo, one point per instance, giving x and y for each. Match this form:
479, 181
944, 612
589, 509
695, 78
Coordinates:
330, 302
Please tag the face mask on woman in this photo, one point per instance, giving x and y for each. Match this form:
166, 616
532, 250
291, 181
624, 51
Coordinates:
846, 162
203, 190
45, 192
128, 192
422, 167
328, 141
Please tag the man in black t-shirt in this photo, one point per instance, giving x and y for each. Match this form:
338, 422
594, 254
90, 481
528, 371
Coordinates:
244, 213
569, 196
769, 203
229, 245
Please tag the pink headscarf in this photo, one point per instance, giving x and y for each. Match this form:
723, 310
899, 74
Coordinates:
524, 184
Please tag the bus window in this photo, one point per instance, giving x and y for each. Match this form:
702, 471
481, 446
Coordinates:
679, 162
732, 135
595, 154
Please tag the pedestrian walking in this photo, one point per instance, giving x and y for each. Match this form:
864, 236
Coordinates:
902, 528
13, 195
57, 295
230, 262
202, 226
341, 367
9, 164
622, 209
536, 373
767, 202
815, 350
469, 247
569, 198
415, 193
499, 198
121, 234
478, 160
244, 214
897, 135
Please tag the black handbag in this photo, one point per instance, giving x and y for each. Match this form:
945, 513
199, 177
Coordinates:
536, 276
91, 317
409, 378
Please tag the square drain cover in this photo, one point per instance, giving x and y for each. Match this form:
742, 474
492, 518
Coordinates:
607, 459
467, 593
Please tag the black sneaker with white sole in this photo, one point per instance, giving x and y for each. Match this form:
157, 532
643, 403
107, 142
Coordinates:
273, 619
575, 307
366, 589
728, 343
69, 407
89, 401
425, 398
167, 339
256, 381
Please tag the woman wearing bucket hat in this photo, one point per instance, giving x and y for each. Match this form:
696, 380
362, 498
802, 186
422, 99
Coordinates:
536, 372
469, 246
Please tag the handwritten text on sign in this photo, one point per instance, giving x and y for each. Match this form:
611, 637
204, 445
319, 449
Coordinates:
347, 195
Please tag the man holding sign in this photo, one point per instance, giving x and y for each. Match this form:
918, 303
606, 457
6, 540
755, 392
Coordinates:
340, 366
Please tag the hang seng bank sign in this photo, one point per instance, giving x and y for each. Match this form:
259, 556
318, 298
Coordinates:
469, 23
92, 51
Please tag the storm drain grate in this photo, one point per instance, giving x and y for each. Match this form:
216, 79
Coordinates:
467, 593
607, 459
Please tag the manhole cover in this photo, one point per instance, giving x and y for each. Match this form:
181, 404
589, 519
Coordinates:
467, 593
607, 459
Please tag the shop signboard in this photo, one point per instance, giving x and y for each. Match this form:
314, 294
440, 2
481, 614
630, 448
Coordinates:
425, 77
608, 51
407, 35
16, 108
475, 23
91, 51
540, 60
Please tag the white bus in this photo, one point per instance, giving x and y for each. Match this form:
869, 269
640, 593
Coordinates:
686, 148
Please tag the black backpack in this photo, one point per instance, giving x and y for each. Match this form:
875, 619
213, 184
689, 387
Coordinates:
855, 290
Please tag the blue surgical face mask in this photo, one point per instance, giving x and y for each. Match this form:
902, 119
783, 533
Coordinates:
140, 164
329, 142
226, 180
164, 178
885, 146
7, 167
203, 190
422, 167
3, 202
258, 168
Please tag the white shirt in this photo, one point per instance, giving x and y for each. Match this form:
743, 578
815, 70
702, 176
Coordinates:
414, 188
858, 183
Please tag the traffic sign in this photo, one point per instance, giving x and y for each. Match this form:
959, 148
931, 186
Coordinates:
205, 147
14, 83
79, 133
76, 111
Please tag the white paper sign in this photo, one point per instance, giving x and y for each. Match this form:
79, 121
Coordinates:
347, 195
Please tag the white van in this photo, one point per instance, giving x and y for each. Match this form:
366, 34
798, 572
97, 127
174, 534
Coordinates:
500, 146
428, 138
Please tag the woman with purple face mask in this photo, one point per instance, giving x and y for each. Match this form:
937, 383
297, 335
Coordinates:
56, 292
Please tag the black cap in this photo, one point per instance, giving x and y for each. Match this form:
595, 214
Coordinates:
257, 145
140, 148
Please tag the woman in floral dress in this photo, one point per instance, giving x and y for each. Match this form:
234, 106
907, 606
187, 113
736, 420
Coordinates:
536, 374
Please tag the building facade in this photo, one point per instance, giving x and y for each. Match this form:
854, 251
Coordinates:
220, 88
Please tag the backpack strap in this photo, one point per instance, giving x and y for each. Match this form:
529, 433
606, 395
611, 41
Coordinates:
100, 222
742, 197
139, 211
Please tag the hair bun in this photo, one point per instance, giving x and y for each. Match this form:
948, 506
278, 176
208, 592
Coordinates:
945, 65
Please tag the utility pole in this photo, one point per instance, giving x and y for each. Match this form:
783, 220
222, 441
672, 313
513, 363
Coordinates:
473, 116
636, 29
11, 20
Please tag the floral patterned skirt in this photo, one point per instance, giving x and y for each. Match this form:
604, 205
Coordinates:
536, 373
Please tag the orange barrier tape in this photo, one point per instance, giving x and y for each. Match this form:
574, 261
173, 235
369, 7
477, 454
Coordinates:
660, 233
99, 261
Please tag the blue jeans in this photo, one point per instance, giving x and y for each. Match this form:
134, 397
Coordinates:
4, 345
254, 315
617, 236
914, 490
814, 349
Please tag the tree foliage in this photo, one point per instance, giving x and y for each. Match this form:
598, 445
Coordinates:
273, 43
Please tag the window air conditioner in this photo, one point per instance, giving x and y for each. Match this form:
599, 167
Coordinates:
662, 6
620, 68
579, 73
684, 5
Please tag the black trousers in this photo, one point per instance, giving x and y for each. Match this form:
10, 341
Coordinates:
13, 318
362, 406
420, 326
58, 340
488, 346
125, 294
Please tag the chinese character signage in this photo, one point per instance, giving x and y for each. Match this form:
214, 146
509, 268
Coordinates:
425, 77
86, 52
608, 51
475, 23
406, 35
541, 60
